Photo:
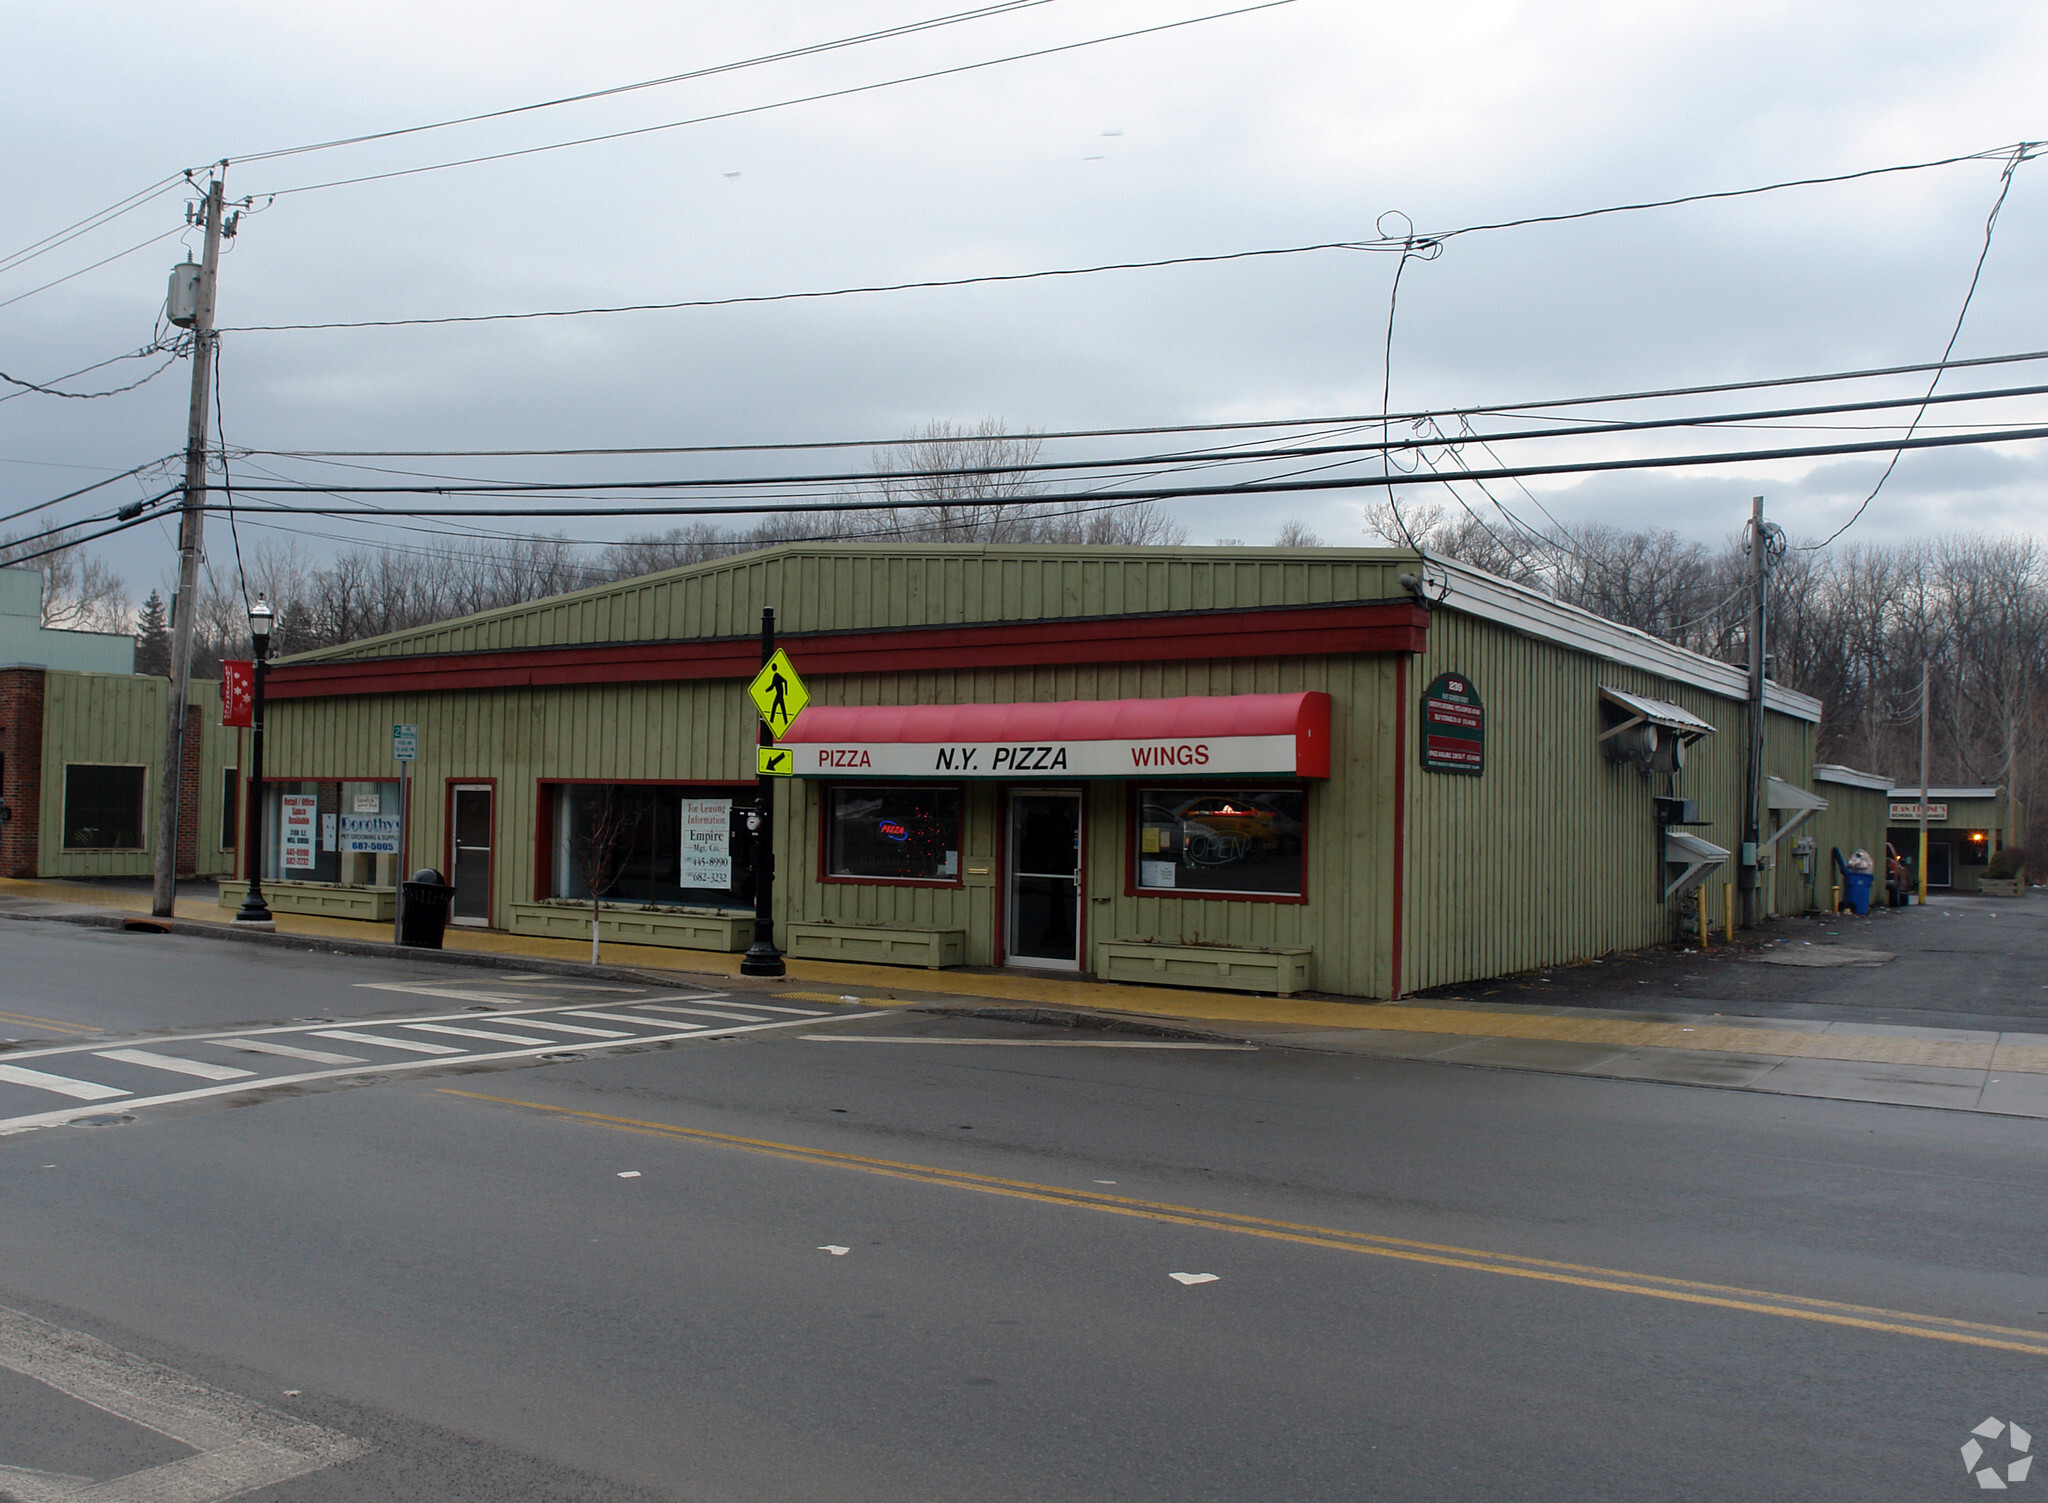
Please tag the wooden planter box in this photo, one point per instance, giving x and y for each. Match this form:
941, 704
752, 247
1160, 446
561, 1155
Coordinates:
874, 944
2002, 887
680, 930
370, 905
1276, 971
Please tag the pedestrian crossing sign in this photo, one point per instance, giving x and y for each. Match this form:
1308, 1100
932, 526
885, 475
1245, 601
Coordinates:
774, 761
778, 693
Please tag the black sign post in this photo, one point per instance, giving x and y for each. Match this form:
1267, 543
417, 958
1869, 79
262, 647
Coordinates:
762, 958
1453, 726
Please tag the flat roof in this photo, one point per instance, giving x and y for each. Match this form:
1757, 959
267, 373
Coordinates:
1834, 772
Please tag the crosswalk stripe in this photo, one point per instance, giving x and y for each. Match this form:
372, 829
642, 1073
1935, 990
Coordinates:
383, 1043
702, 1012
152, 1061
596, 1033
620, 1017
802, 1012
81, 1090
475, 1033
290, 1051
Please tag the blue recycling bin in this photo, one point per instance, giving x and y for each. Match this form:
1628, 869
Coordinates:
1856, 888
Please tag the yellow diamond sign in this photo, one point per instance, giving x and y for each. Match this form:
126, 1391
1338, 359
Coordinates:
775, 761
778, 693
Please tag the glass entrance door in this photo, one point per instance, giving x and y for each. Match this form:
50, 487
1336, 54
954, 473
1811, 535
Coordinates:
1044, 880
470, 854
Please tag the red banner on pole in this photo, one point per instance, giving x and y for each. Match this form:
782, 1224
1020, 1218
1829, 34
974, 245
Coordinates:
237, 690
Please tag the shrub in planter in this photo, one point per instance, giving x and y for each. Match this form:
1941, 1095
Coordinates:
2006, 864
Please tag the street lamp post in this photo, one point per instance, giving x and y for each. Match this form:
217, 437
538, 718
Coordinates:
253, 909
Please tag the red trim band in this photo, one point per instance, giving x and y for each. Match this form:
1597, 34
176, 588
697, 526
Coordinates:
1296, 631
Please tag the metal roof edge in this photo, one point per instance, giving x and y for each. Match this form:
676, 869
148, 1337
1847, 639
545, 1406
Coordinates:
1934, 793
1492, 598
1834, 772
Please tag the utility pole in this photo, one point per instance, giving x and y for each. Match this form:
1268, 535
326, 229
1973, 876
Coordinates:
1753, 784
1925, 740
191, 518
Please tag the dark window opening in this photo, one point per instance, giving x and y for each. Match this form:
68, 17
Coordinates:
103, 808
893, 834
1211, 840
653, 845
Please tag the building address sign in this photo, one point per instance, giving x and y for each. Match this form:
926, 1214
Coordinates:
1453, 726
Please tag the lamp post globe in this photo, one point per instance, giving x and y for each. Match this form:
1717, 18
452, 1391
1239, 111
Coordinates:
254, 910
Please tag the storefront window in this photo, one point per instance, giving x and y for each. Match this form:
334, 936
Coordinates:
103, 808
339, 832
642, 844
893, 834
1211, 840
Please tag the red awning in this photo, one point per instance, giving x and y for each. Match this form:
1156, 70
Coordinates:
1286, 734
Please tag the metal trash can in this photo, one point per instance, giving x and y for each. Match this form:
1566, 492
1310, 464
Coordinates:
1855, 887
424, 917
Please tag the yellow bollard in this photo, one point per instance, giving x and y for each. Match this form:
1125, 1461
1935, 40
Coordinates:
1728, 911
1706, 934
1835, 903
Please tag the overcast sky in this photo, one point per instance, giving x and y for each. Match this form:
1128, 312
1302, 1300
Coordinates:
1289, 125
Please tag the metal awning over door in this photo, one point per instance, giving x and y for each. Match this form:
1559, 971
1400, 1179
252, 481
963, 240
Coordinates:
1273, 734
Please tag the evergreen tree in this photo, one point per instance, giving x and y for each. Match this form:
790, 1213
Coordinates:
153, 639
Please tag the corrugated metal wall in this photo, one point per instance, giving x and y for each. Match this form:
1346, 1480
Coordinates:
1854, 818
1550, 856
847, 589
118, 719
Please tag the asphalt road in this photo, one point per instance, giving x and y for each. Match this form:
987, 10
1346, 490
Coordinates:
614, 1277
1962, 962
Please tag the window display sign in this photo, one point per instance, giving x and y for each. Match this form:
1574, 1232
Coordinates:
1453, 726
707, 842
301, 814
369, 834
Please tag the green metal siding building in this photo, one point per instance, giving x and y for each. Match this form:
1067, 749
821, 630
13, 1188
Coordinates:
1353, 771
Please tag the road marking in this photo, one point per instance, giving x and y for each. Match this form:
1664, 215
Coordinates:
29, 1017
835, 1038
241, 1444
474, 1033
802, 1012
412, 1046
1476, 1260
151, 1061
703, 1012
528, 1021
82, 1090
444, 1057
620, 1017
290, 1051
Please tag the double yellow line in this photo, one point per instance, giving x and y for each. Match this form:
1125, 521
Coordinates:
30, 1020
1336, 1239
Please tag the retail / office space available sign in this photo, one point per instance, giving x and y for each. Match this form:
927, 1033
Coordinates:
1453, 726
301, 824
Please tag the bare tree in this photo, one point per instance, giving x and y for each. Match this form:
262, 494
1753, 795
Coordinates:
80, 593
603, 848
1295, 533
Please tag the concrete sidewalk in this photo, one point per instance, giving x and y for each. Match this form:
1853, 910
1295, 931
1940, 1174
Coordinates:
2001, 1071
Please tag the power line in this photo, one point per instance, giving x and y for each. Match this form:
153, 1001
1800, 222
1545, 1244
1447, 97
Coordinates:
1410, 245
1362, 420
104, 261
1248, 488
88, 224
812, 296
1370, 447
87, 396
788, 54
2021, 153
84, 490
756, 109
